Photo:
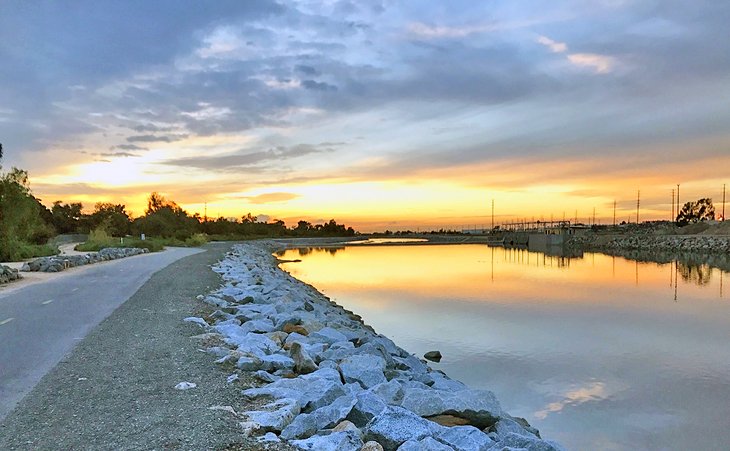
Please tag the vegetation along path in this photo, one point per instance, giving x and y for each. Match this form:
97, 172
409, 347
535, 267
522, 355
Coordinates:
115, 389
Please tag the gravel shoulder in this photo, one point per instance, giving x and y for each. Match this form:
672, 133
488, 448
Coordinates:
115, 390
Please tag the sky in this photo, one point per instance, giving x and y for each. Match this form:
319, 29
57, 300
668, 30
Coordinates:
380, 114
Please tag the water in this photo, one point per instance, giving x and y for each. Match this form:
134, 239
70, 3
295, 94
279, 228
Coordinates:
598, 352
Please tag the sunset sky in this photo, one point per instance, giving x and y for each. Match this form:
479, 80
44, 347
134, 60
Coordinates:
380, 114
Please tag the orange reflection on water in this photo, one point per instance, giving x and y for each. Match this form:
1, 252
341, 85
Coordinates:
480, 273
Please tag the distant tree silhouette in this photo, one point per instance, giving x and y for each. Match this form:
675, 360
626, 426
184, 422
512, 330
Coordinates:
700, 210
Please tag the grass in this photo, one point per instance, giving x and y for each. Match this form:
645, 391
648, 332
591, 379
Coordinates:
17, 251
98, 240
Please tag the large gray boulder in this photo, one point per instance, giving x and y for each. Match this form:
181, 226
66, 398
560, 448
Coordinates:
275, 362
312, 391
517, 441
391, 392
368, 406
425, 444
307, 424
480, 407
507, 425
328, 335
464, 438
367, 370
396, 425
275, 416
337, 441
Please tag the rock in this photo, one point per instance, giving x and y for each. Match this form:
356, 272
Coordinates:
303, 363
434, 356
391, 392
306, 425
258, 326
276, 415
367, 370
185, 385
480, 407
232, 378
377, 349
269, 437
425, 444
328, 335
411, 363
248, 363
464, 438
346, 425
506, 425
195, 320
265, 376
371, 446
312, 390
368, 406
396, 425
289, 328
337, 441
275, 362
512, 440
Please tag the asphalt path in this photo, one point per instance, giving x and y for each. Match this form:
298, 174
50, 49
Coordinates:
42, 322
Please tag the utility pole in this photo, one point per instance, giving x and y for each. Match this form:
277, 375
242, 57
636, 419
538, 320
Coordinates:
723, 202
638, 198
594, 215
492, 214
677, 200
671, 218
614, 212
205, 216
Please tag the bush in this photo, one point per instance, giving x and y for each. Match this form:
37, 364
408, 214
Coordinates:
197, 240
98, 240
13, 250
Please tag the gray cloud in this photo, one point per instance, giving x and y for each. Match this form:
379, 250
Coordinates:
247, 159
156, 138
128, 147
239, 66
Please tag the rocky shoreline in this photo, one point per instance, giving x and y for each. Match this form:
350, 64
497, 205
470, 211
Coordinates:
330, 382
674, 243
59, 263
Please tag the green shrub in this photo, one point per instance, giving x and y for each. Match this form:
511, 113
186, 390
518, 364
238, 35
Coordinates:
197, 240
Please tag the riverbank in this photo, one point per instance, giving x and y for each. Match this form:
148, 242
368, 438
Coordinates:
645, 242
115, 389
336, 383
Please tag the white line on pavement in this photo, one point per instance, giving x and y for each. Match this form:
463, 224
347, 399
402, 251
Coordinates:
47, 302
5, 321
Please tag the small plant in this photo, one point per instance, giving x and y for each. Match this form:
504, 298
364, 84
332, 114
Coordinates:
197, 240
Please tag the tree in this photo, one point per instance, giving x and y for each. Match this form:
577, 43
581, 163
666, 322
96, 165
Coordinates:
21, 216
700, 210
67, 217
164, 218
112, 217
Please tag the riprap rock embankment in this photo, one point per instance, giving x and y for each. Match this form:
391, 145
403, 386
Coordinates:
330, 382
681, 243
58, 263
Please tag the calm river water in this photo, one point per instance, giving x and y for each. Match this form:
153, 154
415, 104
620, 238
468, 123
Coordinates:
598, 352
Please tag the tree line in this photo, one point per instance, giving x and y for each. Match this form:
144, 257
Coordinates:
26, 224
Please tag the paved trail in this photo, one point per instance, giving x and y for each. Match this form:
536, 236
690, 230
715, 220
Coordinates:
42, 322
